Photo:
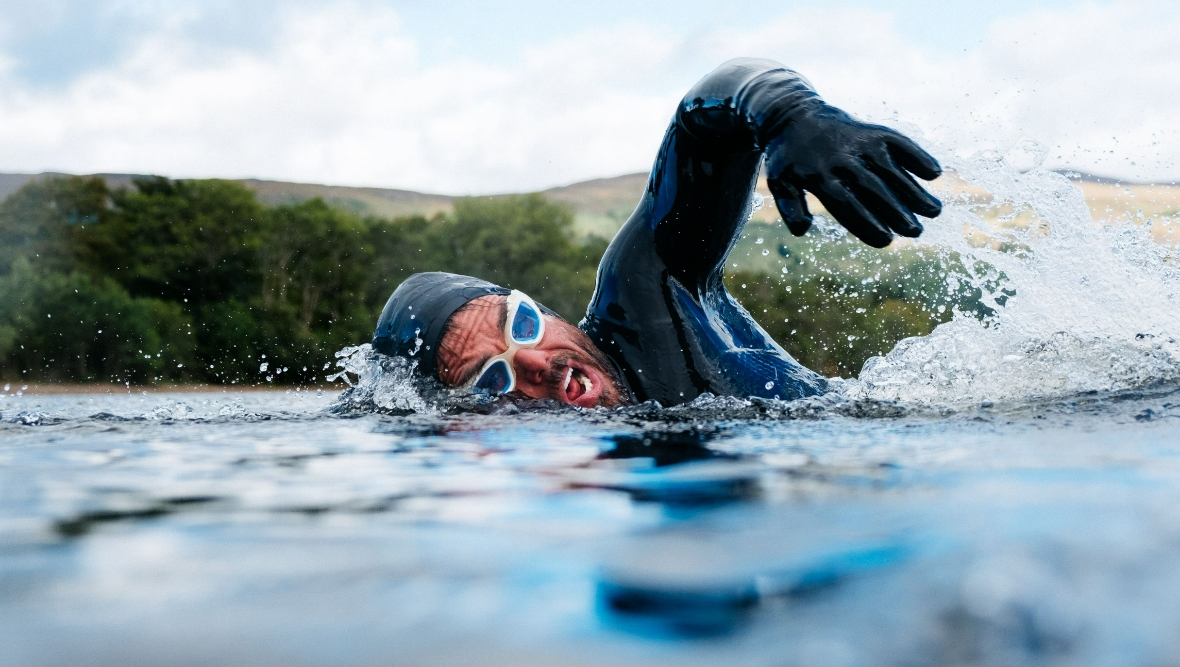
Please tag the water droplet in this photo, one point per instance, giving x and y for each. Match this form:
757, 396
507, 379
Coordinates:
769, 386
765, 253
262, 367
760, 240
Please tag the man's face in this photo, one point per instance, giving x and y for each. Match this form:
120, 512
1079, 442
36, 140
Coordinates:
564, 366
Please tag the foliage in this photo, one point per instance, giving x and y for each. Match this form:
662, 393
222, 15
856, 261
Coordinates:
179, 240
825, 325
38, 222
59, 326
196, 281
521, 242
833, 302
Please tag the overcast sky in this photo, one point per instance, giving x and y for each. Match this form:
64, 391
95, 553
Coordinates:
464, 97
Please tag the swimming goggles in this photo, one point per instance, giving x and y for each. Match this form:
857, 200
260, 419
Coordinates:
524, 328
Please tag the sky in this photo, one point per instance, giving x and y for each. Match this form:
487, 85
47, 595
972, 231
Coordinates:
471, 98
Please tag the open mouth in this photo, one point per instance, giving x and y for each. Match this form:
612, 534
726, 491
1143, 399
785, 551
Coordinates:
577, 384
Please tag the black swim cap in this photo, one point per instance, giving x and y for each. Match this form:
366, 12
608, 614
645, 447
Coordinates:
415, 317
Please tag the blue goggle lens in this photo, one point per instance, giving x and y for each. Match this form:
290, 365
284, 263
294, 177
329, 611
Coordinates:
526, 324
496, 379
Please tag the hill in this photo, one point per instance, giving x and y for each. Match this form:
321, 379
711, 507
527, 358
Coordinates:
602, 205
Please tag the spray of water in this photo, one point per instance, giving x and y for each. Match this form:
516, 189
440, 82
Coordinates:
1079, 306
382, 383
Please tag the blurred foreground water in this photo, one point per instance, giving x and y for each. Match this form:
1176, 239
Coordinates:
264, 528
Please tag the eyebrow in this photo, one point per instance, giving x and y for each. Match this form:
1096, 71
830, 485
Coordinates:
503, 314
468, 375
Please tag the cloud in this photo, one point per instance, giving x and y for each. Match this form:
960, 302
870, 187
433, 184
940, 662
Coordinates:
1095, 83
339, 93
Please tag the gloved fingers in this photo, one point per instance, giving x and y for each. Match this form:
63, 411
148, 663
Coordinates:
791, 205
843, 204
880, 201
908, 192
910, 155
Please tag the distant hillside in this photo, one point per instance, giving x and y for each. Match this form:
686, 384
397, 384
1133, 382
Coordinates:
381, 202
603, 204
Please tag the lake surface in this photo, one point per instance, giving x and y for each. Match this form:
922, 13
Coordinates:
266, 528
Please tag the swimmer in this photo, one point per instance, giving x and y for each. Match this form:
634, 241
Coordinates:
661, 325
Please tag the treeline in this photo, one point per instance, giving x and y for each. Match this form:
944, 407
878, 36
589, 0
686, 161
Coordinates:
833, 302
196, 281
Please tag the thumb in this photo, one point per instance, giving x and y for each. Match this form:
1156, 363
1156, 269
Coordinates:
791, 205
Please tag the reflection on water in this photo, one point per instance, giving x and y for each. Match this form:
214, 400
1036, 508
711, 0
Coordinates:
267, 528
674, 467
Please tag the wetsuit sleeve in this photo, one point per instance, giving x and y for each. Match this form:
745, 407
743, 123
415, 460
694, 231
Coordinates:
744, 103
859, 171
705, 175
660, 309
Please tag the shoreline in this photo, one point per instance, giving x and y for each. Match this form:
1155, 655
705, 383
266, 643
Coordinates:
51, 388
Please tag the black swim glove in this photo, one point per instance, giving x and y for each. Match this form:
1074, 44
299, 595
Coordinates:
860, 172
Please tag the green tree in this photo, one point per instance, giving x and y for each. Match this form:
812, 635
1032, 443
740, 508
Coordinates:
825, 325
40, 221
56, 326
833, 302
316, 263
401, 247
523, 242
184, 241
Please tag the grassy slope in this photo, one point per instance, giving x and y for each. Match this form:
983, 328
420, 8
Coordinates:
602, 205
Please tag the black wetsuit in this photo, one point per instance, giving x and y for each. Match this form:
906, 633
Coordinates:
660, 309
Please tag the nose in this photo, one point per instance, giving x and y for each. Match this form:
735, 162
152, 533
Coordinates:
530, 366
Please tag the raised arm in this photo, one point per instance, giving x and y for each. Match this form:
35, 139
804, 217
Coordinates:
705, 174
660, 310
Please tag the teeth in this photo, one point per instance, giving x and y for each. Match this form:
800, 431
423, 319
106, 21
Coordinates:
585, 382
569, 376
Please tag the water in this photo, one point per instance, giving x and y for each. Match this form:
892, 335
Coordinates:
1092, 307
262, 528
1001, 492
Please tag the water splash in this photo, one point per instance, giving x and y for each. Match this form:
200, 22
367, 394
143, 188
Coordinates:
1079, 306
382, 383
171, 410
